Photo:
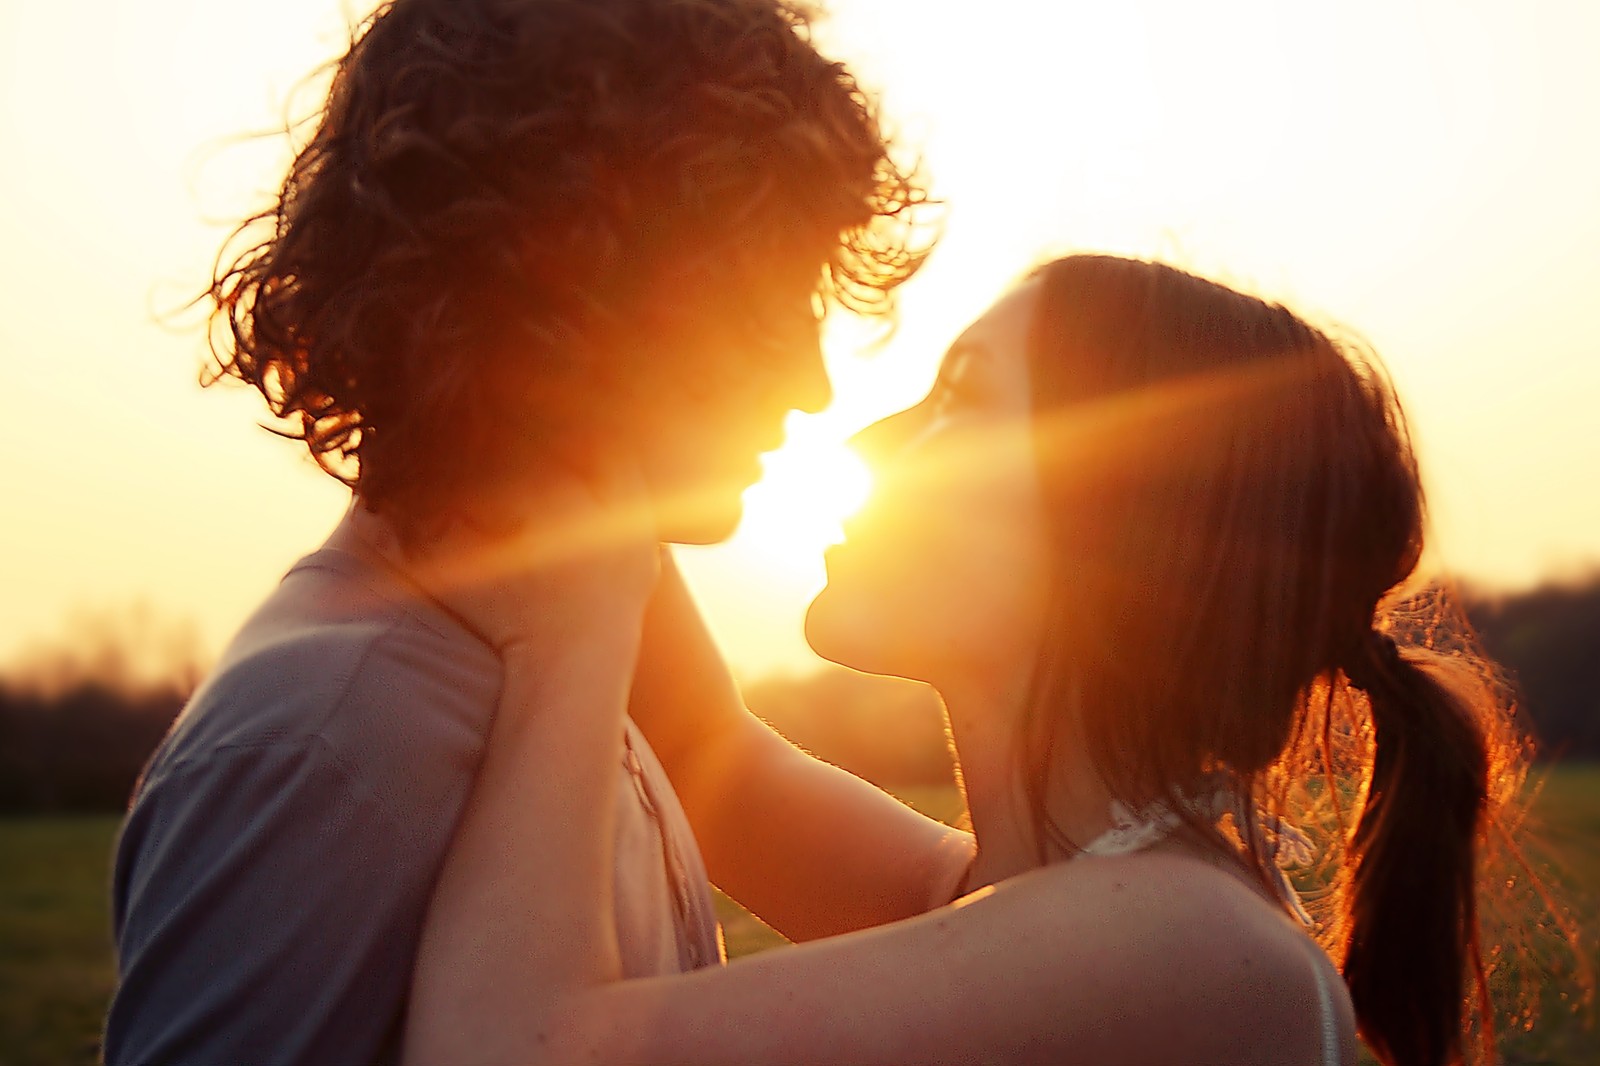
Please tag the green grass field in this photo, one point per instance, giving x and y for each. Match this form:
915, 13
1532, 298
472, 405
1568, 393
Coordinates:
55, 938
55, 953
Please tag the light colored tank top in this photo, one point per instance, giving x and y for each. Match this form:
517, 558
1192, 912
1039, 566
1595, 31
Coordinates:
1133, 831
665, 919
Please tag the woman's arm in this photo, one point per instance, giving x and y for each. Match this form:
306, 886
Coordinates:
1140, 961
522, 912
811, 849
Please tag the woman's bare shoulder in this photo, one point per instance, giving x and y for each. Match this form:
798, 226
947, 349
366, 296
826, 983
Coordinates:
1146, 960
1187, 962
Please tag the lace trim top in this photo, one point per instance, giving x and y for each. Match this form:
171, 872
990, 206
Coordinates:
1133, 831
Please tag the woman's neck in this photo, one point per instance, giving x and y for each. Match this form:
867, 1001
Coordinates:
987, 718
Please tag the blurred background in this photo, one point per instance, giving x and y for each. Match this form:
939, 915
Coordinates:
1424, 172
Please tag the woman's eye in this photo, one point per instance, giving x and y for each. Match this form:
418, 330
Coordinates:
949, 399
958, 391
959, 383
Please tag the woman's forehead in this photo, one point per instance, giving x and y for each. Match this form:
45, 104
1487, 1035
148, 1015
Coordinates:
1004, 327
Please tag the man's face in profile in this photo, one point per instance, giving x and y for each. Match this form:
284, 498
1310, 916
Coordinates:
722, 402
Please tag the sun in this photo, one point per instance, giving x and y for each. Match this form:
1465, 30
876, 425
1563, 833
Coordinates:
808, 487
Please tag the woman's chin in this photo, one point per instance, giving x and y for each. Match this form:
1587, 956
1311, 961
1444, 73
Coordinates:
842, 633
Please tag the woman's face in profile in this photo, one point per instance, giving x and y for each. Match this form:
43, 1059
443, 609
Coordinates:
945, 568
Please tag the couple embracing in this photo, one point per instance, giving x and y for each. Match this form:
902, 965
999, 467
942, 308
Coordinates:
540, 289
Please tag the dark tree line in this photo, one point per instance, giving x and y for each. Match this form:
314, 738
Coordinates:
1548, 642
80, 748
79, 743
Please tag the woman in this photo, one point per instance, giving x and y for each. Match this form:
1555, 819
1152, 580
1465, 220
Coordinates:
1140, 536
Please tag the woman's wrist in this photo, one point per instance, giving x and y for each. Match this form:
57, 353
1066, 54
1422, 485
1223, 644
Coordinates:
596, 609
583, 636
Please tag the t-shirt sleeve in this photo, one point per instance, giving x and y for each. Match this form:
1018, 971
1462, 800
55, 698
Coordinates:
265, 910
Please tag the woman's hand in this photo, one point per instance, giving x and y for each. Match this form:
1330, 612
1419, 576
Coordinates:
575, 550
522, 914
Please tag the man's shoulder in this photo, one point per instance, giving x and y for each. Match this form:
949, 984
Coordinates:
341, 657
287, 833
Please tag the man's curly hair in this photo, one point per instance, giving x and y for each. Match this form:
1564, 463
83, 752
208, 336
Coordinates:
507, 204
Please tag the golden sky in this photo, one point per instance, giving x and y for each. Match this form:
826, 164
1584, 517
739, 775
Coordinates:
1424, 171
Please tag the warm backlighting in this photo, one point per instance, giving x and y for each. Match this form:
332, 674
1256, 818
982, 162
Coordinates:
808, 487
1403, 168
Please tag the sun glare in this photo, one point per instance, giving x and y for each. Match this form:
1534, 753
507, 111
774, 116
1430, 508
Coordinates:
808, 487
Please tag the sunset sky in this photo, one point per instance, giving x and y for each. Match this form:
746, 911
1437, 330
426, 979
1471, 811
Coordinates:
1423, 171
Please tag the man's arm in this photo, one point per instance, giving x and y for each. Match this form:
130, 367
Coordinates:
262, 906
811, 849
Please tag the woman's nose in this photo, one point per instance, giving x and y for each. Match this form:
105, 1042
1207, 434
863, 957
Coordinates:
885, 437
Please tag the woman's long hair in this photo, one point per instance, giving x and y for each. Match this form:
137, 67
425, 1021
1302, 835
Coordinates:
1235, 507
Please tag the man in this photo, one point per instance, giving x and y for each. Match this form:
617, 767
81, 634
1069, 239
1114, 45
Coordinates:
525, 232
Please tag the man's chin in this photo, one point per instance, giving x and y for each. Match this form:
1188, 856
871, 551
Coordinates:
707, 522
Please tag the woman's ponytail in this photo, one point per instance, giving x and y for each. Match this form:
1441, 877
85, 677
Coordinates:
1412, 925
